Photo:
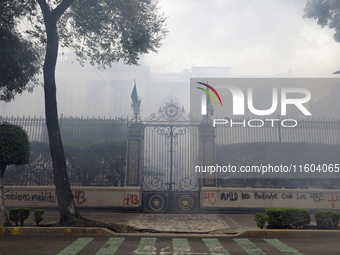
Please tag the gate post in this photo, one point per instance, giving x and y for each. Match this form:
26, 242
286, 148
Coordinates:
207, 153
135, 147
135, 142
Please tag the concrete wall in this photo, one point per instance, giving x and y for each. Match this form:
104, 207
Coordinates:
269, 198
211, 198
44, 196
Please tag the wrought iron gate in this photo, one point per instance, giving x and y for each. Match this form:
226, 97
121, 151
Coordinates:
171, 145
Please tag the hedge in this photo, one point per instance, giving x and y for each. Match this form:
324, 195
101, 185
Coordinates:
287, 217
19, 214
327, 219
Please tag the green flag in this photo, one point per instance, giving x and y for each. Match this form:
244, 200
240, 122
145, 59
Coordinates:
134, 96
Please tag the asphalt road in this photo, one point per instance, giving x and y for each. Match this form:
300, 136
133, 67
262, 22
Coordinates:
100, 245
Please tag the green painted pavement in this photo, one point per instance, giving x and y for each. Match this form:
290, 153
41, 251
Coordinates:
283, 247
75, 247
214, 246
146, 246
181, 246
248, 246
111, 246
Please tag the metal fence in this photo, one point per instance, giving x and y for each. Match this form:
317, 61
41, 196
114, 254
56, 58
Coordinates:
76, 132
95, 150
311, 131
84, 133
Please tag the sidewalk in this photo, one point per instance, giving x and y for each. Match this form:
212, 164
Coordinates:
170, 223
185, 224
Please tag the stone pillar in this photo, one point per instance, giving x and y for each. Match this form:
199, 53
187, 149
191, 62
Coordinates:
207, 153
135, 142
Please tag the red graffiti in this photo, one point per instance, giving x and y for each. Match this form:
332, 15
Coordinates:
211, 197
79, 197
131, 199
336, 199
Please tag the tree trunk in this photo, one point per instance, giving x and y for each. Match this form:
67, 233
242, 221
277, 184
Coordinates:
67, 209
2, 197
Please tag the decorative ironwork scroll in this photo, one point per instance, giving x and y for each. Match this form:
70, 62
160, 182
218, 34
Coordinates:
153, 183
171, 113
188, 183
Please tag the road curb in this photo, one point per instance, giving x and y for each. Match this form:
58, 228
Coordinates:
54, 231
280, 233
94, 231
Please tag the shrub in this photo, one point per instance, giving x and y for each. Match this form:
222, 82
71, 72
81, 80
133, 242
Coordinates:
327, 219
14, 150
19, 214
286, 217
261, 220
38, 215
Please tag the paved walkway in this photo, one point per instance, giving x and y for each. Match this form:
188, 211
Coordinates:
180, 223
173, 223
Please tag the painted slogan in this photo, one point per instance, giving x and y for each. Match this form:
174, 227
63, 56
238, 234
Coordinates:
83, 196
323, 199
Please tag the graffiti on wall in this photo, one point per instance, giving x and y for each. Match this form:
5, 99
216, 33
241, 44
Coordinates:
79, 197
334, 199
131, 199
210, 198
48, 197
43, 196
319, 199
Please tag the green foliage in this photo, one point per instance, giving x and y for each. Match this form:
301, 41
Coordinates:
261, 220
287, 217
327, 219
119, 31
14, 145
326, 12
99, 162
20, 58
80, 133
38, 172
19, 214
38, 215
98, 165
